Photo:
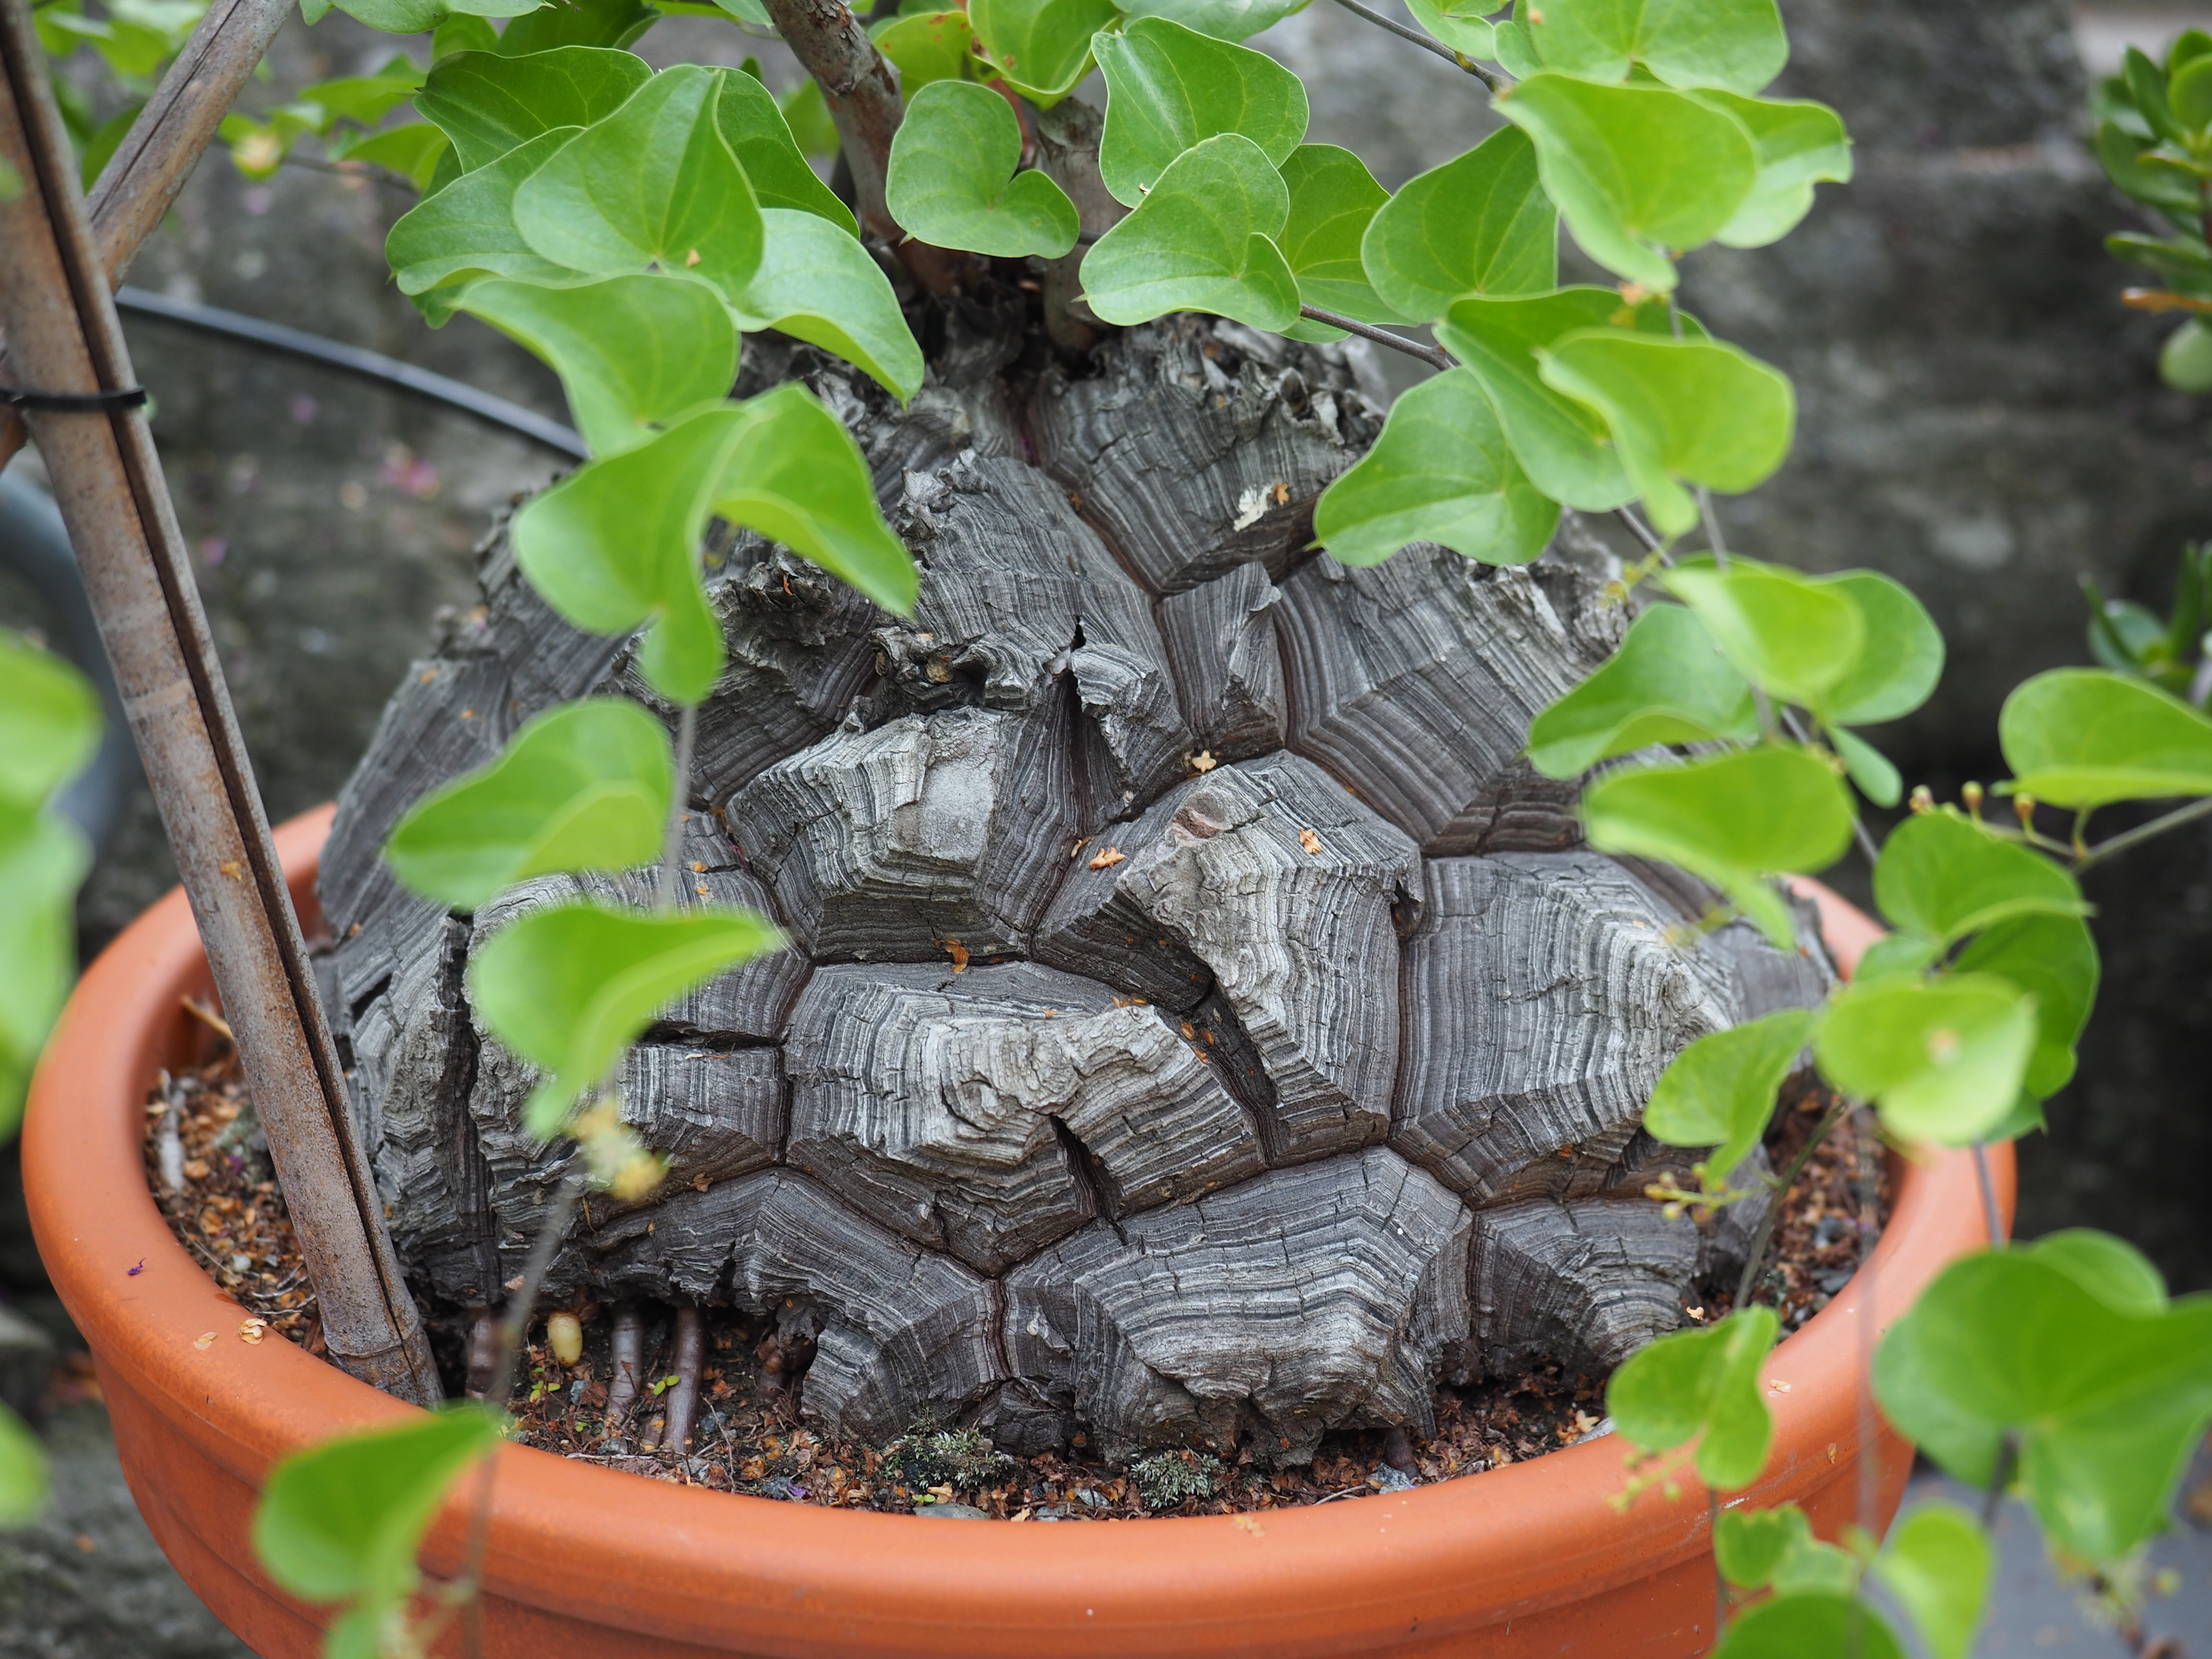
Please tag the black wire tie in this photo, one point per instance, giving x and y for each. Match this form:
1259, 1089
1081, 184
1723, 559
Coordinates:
72, 403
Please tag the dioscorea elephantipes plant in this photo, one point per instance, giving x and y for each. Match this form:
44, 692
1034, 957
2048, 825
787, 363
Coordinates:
634, 228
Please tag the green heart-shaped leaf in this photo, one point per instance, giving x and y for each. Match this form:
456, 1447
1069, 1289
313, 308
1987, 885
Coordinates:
1634, 170
50, 723
415, 150
614, 546
953, 181
1169, 87
367, 99
1810, 1623
2110, 1269
1333, 200
2105, 1403
1479, 224
1224, 20
1703, 1384
1042, 47
467, 230
2081, 736
1943, 1059
459, 33
1667, 684
1795, 635
817, 284
1758, 1549
568, 988
634, 354
1900, 671
1201, 241
1944, 876
489, 103
795, 474
415, 16
1735, 43
1562, 443
1720, 1091
1938, 1564
1735, 820
1469, 35
807, 112
582, 787
1440, 473
580, 23
2053, 959
653, 184
757, 135
925, 46
343, 1520
43, 858
24, 1483
1799, 144
1690, 409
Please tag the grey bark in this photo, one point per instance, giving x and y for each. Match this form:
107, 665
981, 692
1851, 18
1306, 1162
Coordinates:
1414, 682
1064, 1112
1303, 1300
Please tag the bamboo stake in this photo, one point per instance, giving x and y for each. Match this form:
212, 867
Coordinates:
165, 143
60, 318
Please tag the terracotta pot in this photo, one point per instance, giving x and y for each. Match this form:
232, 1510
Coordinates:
1526, 1559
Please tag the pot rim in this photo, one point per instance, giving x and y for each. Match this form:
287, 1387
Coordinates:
616, 1550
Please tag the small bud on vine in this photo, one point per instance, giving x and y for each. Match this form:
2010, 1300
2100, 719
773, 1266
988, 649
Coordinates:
1923, 799
1971, 794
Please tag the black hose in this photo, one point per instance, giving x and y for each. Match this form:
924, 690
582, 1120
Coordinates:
35, 546
371, 365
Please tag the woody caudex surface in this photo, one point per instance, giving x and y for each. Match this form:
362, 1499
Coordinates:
1201, 1026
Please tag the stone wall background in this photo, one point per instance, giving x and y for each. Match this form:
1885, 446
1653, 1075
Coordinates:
1979, 417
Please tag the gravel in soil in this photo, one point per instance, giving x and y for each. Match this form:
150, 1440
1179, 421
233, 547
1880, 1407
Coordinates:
208, 1169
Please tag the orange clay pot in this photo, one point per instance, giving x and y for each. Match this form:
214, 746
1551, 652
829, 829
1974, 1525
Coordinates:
1532, 1558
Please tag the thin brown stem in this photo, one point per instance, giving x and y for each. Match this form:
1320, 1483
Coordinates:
861, 90
680, 1407
2000, 1478
1646, 537
1754, 1261
680, 808
1992, 1217
512, 1331
2144, 832
1489, 78
1869, 1431
626, 1363
1434, 356
1860, 834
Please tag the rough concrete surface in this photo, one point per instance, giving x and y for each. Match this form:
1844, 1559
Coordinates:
87, 1581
